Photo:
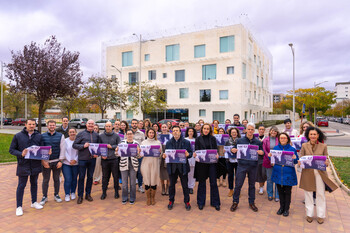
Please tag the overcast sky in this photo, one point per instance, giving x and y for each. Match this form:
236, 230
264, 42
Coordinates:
319, 30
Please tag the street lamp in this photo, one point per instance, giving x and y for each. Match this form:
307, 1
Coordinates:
2, 97
316, 85
121, 88
293, 122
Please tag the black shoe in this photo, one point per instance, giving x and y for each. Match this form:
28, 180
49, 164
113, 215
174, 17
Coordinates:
253, 207
171, 205
80, 200
191, 191
103, 196
286, 213
88, 197
188, 206
234, 206
200, 207
116, 195
280, 211
217, 208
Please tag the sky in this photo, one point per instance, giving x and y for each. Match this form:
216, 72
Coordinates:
318, 29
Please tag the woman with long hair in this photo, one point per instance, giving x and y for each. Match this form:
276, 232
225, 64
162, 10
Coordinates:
231, 163
191, 135
124, 126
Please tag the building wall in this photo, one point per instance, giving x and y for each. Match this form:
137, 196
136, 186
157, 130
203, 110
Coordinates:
342, 91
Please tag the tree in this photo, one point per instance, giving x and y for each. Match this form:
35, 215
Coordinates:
47, 71
73, 103
105, 93
152, 97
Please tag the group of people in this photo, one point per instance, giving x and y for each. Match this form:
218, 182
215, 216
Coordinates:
70, 153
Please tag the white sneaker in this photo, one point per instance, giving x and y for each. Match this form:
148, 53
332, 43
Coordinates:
67, 197
72, 196
58, 199
19, 211
141, 190
261, 190
44, 200
36, 205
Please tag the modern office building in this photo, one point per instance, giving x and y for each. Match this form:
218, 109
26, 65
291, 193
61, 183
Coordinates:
209, 74
278, 97
342, 91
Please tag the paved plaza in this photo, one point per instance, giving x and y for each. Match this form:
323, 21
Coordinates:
110, 215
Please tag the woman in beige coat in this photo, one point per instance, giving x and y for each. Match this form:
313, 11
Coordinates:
150, 167
313, 180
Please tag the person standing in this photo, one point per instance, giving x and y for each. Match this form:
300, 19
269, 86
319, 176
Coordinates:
70, 168
116, 126
203, 171
150, 167
98, 167
221, 169
57, 143
230, 162
176, 170
191, 135
164, 176
124, 126
288, 128
110, 163
139, 136
26, 167
216, 126
261, 175
64, 128
247, 167
87, 161
236, 121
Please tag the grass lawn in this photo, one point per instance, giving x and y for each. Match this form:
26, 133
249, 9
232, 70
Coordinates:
5, 141
342, 166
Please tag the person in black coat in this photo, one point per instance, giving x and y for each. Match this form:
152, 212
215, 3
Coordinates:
204, 170
26, 167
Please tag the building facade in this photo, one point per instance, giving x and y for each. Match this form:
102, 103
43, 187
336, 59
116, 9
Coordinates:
209, 75
342, 91
278, 97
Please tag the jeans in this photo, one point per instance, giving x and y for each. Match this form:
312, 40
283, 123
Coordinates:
214, 191
242, 171
110, 166
269, 183
130, 173
86, 167
285, 196
22, 182
191, 179
56, 178
139, 175
184, 183
70, 174
231, 170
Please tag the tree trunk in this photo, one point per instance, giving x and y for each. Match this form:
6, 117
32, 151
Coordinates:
41, 107
310, 114
68, 112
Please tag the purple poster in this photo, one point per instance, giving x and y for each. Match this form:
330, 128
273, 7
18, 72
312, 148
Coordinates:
282, 158
206, 156
175, 156
221, 139
143, 130
150, 150
313, 162
163, 138
298, 142
127, 150
98, 149
247, 152
121, 136
256, 135
240, 128
229, 126
228, 153
193, 142
38, 152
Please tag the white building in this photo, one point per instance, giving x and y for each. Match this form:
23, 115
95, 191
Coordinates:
209, 74
342, 91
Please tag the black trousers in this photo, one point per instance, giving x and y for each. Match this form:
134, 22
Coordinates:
184, 183
22, 182
110, 166
56, 178
231, 169
285, 193
214, 191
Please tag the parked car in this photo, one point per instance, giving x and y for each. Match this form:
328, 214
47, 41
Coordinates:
101, 123
43, 122
322, 122
346, 121
7, 121
78, 123
173, 122
19, 121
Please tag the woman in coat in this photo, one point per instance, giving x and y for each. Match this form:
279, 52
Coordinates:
312, 180
285, 177
231, 164
163, 172
191, 135
204, 170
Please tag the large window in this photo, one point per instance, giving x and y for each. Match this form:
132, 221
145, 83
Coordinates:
230, 70
227, 44
147, 56
209, 72
151, 75
133, 77
179, 75
172, 52
205, 95
257, 80
129, 114
244, 71
219, 115
183, 93
202, 112
199, 51
127, 58
223, 94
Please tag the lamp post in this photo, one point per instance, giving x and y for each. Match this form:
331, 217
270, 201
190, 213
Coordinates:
293, 122
316, 85
121, 88
2, 97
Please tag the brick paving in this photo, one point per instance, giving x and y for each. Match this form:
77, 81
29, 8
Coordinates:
110, 215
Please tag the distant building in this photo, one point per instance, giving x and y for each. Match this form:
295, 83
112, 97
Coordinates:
210, 74
278, 97
342, 91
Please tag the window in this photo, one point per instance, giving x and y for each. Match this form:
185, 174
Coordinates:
208, 72
202, 113
262, 82
164, 75
179, 75
223, 94
219, 115
199, 51
254, 94
183, 93
130, 98
254, 58
257, 80
147, 56
172, 52
244, 71
227, 44
346, 87
205, 95
133, 77
113, 77
129, 114
151, 75
245, 115
117, 115
230, 70
163, 95
127, 58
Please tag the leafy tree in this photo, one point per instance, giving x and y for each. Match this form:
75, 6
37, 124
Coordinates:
73, 103
152, 97
47, 71
105, 93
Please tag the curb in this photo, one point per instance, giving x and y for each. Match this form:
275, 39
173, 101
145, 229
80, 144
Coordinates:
341, 185
7, 163
335, 135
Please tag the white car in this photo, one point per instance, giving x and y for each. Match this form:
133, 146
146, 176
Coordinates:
101, 123
43, 122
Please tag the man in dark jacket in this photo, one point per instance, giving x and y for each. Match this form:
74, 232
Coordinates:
247, 167
236, 121
110, 163
176, 170
26, 167
64, 128
87, 161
